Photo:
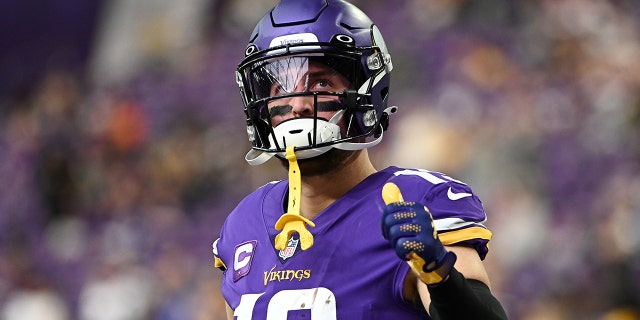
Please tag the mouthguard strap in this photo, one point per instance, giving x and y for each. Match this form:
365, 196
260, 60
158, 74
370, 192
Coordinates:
292, 221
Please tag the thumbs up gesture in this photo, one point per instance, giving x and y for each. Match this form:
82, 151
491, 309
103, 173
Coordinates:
412, 234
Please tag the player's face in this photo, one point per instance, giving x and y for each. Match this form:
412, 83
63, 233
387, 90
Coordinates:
306, 77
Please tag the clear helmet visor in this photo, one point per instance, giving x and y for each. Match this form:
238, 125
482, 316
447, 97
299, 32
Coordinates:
287, 75
300, 86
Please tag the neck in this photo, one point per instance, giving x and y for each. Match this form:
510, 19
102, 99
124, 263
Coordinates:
320, 191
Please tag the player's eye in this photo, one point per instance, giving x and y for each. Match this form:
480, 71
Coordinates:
322, 85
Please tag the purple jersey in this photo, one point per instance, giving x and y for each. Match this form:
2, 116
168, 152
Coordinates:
351, 271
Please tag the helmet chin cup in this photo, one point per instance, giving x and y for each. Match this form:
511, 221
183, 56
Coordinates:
327, 129
299, 132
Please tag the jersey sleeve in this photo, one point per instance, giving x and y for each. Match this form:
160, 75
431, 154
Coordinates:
217, 260
222, 252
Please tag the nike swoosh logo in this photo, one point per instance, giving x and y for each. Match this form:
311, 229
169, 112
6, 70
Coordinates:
457, 196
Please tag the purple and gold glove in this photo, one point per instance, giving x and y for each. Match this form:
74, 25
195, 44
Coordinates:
411, 232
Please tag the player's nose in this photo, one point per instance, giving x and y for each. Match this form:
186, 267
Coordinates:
302, 106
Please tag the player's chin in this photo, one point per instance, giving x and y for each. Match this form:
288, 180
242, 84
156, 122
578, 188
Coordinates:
324, 163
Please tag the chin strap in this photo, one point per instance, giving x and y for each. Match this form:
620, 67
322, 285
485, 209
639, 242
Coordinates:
292, 221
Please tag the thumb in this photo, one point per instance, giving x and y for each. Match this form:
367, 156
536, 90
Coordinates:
391, 193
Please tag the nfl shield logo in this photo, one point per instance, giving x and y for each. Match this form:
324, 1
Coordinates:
289, 250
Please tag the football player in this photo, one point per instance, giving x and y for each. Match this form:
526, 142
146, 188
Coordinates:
340, 239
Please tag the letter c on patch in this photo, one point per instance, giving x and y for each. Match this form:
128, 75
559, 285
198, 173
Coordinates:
242, 259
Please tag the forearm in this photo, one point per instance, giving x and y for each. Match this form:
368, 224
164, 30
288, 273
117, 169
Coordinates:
460, 298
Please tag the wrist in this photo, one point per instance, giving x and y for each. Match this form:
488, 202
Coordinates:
437, 274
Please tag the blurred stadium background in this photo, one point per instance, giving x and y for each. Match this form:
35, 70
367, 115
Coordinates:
122, 143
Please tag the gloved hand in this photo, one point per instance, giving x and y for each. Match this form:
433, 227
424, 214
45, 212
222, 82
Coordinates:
411, 232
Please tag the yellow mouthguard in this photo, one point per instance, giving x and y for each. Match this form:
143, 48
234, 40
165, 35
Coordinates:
292, 221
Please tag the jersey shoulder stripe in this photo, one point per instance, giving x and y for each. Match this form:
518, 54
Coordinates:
461, 235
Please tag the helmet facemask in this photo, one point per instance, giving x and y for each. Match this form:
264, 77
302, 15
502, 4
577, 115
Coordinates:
339, 110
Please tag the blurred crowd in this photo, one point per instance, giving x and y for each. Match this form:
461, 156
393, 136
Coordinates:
115, 180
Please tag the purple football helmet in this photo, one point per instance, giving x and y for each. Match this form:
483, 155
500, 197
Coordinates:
284, 47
